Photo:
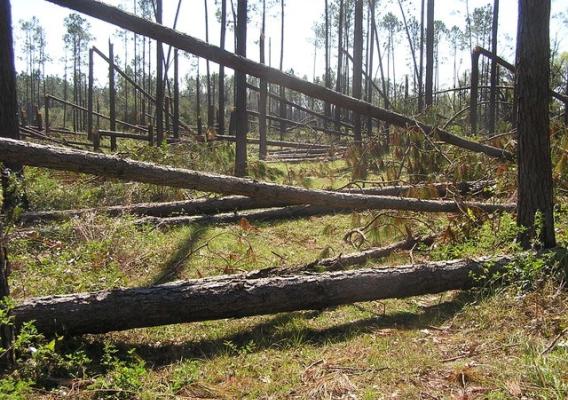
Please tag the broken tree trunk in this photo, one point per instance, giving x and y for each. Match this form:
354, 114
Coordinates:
235, 296
129, 170
239, 203
184, 42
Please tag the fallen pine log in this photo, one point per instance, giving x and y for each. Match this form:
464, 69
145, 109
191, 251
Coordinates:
276, 143
239, 203
303, 160
343, 261
236, 297
130, 170
125, 20
266, 215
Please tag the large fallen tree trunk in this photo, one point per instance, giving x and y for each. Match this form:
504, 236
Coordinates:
114, 167
197, 47
235, 297
238, 203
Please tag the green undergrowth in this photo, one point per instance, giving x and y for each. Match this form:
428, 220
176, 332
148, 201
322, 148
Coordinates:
502, 341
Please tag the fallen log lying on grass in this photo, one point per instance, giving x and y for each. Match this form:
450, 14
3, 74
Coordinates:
276, 143
235, 297
343, 261
238, 203
265, 215
339, 263
129, 170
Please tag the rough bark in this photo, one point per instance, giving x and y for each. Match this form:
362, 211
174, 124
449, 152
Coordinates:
9, 123
473, 97
429, 97
176, 123
262, 99
241, 93
235, 297
358, 66
494, 78
239, 203
159, 80
535, 192
130, 170
338, 83
221, 115
8, 108
187, 43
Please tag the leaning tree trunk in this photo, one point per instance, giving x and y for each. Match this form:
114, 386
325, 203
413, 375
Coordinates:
187, 43
241, 93
494, 77
242, 296
9, 124
535, 193
429, 95
358, 65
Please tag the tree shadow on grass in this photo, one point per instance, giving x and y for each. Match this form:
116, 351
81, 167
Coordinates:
281, 332
175, 264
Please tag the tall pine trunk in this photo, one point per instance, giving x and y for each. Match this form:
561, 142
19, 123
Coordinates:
338, 82
327, 67
282, 89
429, 97
10, 129
263, 91
241, 93
159, 81
221, 115
358, 65
210, 109
494, 78
535, 193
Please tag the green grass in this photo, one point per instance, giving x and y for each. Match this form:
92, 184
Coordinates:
484, 344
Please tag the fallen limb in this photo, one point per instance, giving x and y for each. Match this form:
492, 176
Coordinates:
279, 143
343, 261
130, 170
238, 203
236, 297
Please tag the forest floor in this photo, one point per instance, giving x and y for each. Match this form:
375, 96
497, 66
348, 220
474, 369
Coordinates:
498, 342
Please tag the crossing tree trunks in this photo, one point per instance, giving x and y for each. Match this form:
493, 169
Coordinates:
238, 203
197, 47
129, 170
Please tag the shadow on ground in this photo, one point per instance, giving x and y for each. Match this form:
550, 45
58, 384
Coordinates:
280, 332
175, 264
